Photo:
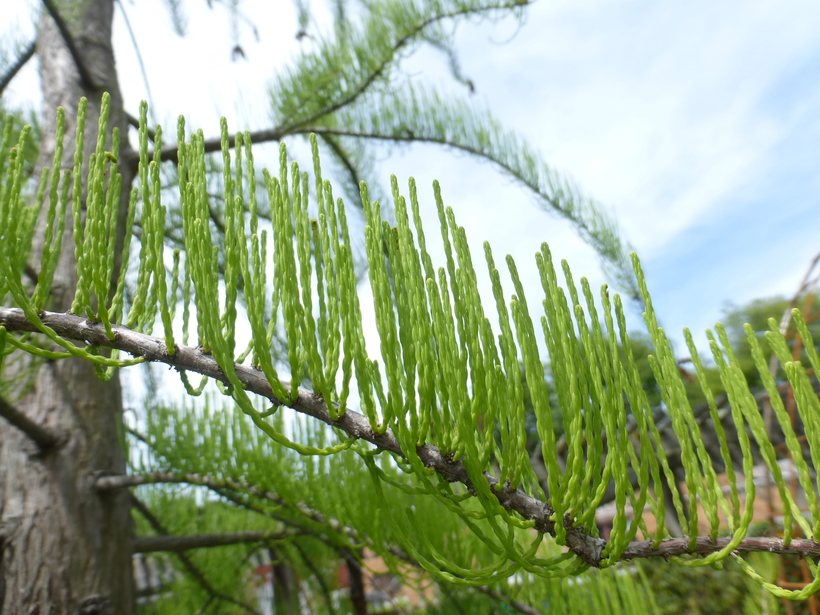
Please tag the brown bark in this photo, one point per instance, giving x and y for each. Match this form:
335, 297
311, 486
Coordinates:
65, 547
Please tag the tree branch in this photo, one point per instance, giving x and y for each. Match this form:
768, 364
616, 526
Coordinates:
150, 544
802, 547
219, 486
170, 152
403, 40
12, 71
186, 561
355, 424
62, 26
44, 437
586, 547
317, 576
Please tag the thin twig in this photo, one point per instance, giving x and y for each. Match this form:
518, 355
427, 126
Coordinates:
150, 544
516, 604
317, 575
12, 71
401, 42
192, 568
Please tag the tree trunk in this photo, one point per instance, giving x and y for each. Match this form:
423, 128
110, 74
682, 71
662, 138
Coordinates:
64, 548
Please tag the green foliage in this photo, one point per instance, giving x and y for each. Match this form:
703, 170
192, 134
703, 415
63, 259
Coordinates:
449, 375
757, 314
347, 91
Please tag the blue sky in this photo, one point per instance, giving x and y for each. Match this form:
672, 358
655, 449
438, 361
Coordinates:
695, 123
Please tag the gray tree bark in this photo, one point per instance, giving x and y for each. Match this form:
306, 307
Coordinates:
65, 547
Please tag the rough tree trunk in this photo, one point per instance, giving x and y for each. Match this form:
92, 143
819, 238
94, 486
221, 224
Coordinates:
64, 548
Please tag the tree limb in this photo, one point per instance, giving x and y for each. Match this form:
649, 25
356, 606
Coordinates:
586, 547
802, 547
44, 437
401, 42
21, 61
170, 152
150, 544
219, 486
192, 568
355, 424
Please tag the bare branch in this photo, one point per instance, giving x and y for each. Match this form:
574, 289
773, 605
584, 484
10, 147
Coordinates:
12, 71
44, 437
170, 152
150, 544
62, 26
802, 547
185, 560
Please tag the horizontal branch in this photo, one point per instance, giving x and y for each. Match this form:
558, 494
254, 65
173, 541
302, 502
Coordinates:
19, 63
150, 544
186, 358
218, 486
189, 565
355, 424
802, 547
44, 437
170, 152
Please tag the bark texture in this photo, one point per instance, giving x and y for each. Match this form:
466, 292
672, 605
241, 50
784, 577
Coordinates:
65, 547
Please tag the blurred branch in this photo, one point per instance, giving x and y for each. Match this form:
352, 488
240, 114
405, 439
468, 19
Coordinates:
192, 569
150, 544
12, 71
